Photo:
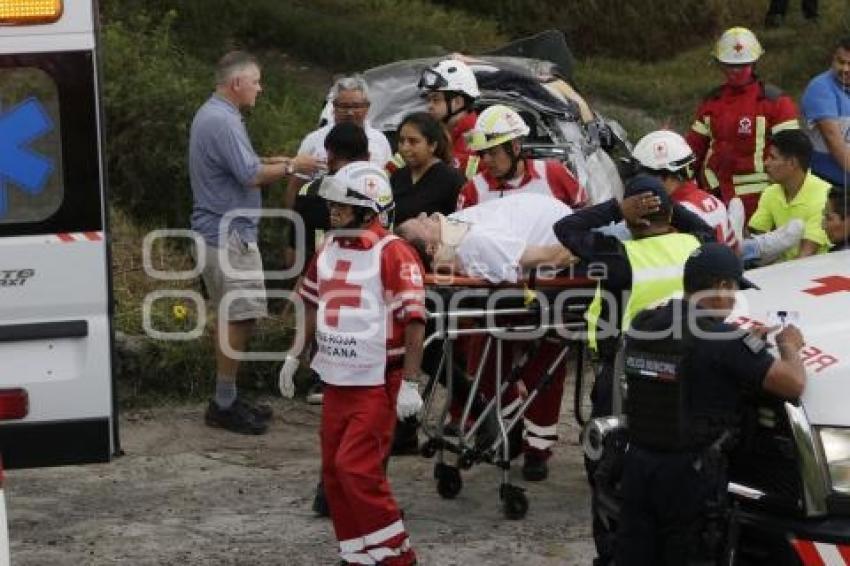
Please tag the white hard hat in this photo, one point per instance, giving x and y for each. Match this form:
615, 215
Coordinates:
495, 126
738, 46
450, 75
360, 183
663, 150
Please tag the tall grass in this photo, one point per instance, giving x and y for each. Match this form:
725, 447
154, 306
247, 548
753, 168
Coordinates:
643, 30
341, 35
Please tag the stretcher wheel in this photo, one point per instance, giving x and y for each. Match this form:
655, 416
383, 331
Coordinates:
514, 501
428, 449
449, 482
466, 460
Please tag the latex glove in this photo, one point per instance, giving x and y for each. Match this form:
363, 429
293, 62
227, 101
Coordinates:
286, 379
409, 402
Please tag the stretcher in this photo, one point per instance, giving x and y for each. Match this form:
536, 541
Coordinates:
458, 422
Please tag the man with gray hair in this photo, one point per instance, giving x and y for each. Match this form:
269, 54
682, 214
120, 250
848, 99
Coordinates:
226, 176
349, 98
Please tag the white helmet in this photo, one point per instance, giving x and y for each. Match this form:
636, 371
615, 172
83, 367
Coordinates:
495, 126
359, 183
738, 46
663, 150
450, 75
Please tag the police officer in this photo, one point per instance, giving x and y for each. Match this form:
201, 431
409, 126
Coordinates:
688, 373
635, 274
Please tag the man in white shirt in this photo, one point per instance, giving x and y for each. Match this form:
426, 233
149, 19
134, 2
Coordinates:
496, 240
350, 100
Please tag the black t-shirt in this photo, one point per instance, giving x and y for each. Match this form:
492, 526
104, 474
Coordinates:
314, 212
726, 364
435, 191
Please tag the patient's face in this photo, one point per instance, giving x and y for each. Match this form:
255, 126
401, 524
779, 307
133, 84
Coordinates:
423, 227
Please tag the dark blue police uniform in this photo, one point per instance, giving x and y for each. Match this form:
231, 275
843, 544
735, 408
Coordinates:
685, 397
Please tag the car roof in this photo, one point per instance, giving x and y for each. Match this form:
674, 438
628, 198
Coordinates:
393, 90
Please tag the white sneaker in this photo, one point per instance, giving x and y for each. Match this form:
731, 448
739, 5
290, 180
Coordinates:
737, 216
773, 244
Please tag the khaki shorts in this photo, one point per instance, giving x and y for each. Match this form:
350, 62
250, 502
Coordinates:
245, 260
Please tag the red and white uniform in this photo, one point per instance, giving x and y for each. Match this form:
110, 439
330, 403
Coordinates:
465, 160
730, 135
541, 418
366, 290
542, 176
710, 209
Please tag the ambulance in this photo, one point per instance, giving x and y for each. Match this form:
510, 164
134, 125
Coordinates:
790, 478
57, 401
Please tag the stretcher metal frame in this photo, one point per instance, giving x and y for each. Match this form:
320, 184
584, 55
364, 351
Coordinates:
500, 325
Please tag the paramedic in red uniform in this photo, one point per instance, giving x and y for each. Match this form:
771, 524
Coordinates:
733, 124
364, 303
450, 88
497, 138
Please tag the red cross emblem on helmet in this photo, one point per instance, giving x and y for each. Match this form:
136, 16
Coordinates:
738, 47
371, 188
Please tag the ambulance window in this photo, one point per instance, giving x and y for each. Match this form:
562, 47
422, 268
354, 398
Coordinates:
50, 178
30, 146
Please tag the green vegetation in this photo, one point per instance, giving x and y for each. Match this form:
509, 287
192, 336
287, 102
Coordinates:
649, 30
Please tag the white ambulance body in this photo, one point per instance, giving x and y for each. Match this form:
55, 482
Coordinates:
793, 481
56, 388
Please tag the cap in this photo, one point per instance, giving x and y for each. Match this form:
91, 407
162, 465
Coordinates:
648, 184
716, 260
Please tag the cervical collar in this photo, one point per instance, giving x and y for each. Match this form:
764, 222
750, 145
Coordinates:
452, 233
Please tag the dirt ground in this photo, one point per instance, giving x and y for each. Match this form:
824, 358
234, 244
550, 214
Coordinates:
187, 494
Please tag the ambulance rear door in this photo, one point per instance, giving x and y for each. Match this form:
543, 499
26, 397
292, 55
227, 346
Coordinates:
56, 388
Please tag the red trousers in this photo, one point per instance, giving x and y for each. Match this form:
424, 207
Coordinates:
356, 435
541, 418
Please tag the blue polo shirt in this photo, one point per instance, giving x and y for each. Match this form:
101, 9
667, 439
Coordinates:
222, 163
826, 98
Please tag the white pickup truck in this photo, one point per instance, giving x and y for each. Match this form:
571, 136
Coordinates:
792, 479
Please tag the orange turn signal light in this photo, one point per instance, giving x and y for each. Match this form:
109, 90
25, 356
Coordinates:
27, 12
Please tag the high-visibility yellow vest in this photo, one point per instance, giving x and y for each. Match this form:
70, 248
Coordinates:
657, 263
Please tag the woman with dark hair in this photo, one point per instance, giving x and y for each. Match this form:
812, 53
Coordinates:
427, 183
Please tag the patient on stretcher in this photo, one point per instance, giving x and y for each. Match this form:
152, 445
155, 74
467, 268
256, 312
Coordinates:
498, 240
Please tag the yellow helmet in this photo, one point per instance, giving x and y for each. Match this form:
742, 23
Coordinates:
738, 46
495, 126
